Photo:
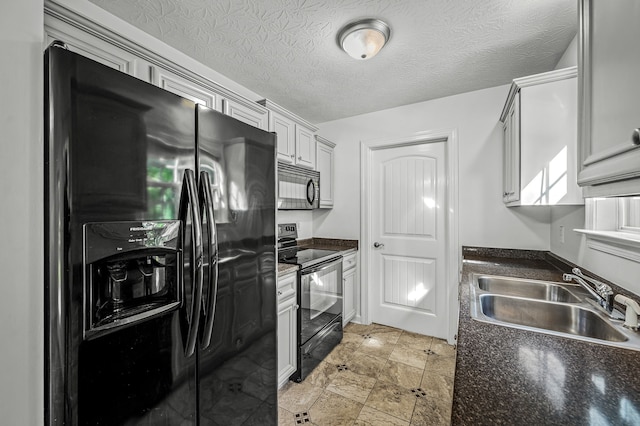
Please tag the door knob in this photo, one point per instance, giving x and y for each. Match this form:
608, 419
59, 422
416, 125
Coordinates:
378, 245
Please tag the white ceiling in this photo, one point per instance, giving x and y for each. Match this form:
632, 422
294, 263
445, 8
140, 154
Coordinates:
286, 50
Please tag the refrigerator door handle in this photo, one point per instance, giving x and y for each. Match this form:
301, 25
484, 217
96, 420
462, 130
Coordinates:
189, 197
206, 197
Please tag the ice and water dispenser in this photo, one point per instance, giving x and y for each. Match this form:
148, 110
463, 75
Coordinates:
132, 272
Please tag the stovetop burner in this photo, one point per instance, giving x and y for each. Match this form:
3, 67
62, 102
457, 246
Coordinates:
290, 252
307, 256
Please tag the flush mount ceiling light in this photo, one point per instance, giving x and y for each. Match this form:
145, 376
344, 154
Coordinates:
363, 39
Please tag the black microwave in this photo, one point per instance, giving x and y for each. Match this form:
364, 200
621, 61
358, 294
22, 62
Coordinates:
298, 188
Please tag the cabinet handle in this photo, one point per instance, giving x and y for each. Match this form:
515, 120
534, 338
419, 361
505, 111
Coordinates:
635, 137
300, 157
292, 155
297, 306
504, 194
279, 293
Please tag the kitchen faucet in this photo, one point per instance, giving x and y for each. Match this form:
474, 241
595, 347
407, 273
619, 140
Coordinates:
602, 292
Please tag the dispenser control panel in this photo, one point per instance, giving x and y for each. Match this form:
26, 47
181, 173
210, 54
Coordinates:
132, 272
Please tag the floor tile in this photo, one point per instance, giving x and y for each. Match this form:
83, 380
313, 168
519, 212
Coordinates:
441, 347
440, 364
339, 355
333, 409
352, 340
401, 374
285, 418
392, 399
438, 385
414, 340
358, 328
401, 377
365, 364
352, 385
299, 396
372, 417
387, 336
413, 357
321, 375
376, 347
383, 328
430, 411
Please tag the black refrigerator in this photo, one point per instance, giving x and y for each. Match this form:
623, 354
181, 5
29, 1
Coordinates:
160, 273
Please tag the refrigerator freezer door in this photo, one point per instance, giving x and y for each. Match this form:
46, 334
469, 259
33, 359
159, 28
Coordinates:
116, 150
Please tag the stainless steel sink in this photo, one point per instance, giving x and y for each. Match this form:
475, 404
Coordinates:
558, 317
561, 309
531, 289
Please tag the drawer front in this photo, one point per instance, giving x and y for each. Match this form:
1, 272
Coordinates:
286, 286
349, 261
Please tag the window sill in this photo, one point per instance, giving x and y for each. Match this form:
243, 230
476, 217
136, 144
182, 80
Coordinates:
620, 244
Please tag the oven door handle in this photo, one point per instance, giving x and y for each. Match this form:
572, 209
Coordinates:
321, 267
320, 336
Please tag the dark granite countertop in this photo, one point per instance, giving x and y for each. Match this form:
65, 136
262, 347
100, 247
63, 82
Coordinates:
330, 244
510, 376
285, 268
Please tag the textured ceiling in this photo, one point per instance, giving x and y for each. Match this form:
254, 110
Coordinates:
286, 50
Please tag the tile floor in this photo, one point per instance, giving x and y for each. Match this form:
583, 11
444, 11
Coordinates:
378, 375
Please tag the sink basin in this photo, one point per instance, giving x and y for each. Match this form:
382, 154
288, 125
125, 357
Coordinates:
527, 288
560, 309
555, 317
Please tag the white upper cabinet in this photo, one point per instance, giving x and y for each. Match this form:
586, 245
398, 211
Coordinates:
325, 165
540, 142
247, 112
296, 137
609, 60
511, 153
91, 47
93, 41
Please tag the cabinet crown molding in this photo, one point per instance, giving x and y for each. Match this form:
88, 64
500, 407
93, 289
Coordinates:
60, 11
325, 141
272, 106
533, 80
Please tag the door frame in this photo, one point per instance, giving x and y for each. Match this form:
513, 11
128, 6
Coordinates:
453, 265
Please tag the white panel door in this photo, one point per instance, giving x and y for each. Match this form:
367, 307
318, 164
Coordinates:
408, 219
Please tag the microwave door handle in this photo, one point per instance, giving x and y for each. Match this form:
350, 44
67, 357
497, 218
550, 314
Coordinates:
212, 234
311, 191
188, 198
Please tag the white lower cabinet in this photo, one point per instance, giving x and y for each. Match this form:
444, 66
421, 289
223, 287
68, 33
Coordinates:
287, 327
350, 287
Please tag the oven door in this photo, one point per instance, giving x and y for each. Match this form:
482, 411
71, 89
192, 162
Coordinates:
320, 297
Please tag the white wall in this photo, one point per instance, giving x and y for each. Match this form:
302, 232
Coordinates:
484, 220
304, 219
21, 252
570, 56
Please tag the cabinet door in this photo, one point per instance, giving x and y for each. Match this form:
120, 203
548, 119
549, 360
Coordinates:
252, 114
287, 361
511, 153
349, 295
90, 46
324, 164
305, 147
610, 88
286, 131
185, 88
